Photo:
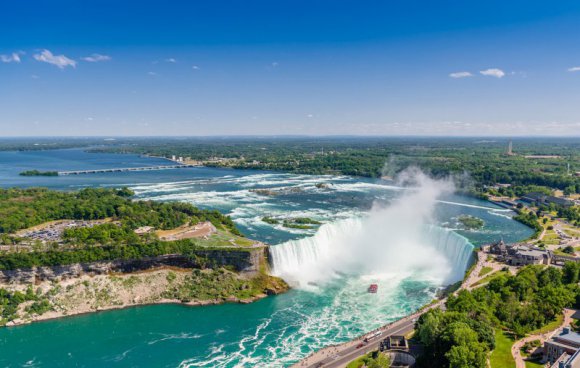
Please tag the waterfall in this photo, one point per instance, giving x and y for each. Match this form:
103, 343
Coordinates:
456, 248
358, 245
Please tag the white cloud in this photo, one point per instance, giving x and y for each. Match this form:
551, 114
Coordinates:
493, 72
151, 73
574, 69
95, 58
170, 60
12, 58
460, 75
59, 61
195, 67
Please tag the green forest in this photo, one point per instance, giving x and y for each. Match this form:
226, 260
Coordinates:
23, 208
475, 162
484, 160
464, 334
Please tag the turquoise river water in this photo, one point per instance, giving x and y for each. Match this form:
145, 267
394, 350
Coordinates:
407, 241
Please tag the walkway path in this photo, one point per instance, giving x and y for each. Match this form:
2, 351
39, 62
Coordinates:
517, 346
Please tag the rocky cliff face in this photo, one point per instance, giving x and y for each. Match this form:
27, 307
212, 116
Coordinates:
242, 261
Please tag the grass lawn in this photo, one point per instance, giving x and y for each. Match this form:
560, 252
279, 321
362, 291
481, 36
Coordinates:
358, 362
488, 278
550, 326
501, 356
551, 238
222, 238
485, 270
530, 364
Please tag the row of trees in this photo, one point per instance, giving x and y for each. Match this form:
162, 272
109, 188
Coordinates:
23, 208
463, 335
530, 219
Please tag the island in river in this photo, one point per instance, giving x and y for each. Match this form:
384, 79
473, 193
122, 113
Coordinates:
96, 249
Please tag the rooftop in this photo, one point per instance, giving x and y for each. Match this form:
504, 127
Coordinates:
531, 253
571, 361
566, 335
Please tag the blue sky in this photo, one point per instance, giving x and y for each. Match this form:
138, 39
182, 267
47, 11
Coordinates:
289, 67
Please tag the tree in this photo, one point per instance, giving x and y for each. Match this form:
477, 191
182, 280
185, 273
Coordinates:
570, 190
428, 327
380, 361
550, 276
471, 355
571, 272
569, 249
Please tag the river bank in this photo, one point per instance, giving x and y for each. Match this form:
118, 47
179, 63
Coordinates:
168, 285
273, 332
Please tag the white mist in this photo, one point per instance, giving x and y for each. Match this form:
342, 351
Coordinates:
394, 240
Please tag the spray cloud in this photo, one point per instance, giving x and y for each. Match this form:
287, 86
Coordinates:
391, 239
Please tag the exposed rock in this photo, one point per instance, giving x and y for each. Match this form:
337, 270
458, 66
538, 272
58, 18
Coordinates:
243, 261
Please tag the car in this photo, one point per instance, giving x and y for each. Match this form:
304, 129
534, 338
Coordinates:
360, 345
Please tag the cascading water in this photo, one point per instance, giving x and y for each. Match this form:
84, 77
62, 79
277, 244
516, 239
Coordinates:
456, 248
390, 240
345, 247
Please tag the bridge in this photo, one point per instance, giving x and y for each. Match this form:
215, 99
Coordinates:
125, 169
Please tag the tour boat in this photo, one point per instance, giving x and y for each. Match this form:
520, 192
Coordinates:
373, 288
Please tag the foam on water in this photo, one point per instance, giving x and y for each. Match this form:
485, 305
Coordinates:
475, 206
396, 249
437, 253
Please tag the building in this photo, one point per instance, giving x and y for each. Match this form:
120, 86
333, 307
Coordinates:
541, 198
519, 254
534, 197
499, 248
522, 255
562, 349
564, 202
568, 361
397, 342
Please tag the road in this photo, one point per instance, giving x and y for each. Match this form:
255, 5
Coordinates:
339, 356
352, 353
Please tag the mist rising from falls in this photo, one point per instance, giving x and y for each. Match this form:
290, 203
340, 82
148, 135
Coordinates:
393, 240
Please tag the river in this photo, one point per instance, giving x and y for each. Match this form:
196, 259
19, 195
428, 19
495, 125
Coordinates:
329, 305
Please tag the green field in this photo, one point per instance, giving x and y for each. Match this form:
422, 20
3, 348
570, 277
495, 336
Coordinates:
501, 356
533, 364
484, 271
490, 277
